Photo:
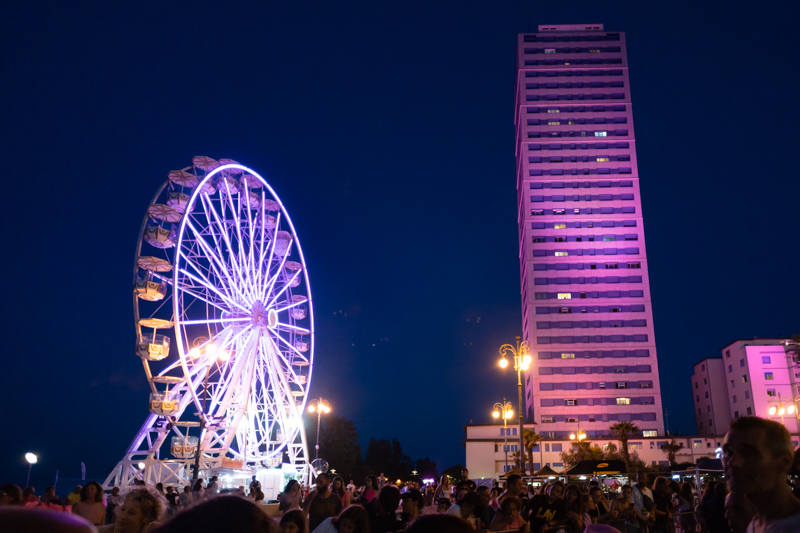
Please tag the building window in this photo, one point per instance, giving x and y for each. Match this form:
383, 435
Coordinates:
705, 381
623, 401
554, 123
709, 423
554, 111
548, 419
771, 392
570, 402
732, 384
634, 265
602, 159
559, 211
602, 385
571, 419
746, 395
741, 361
734, 398
744, 379
559, 226
697, 444
564, 295
549, 50
764, 359
749, 410
727, 353
706, 394
696, 385
736, 415
768, 375
542, 296
562, 254
601, 134
708, 408
567, 356
622, 385
730, 369
649, 433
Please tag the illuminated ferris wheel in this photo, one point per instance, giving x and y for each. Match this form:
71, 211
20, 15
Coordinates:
224, 329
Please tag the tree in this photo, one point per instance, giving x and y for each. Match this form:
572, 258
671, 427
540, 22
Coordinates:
671, 448
515, 457
582, 451
622, 430
426, 469
387, 457
530, 439
454, 472
339, 444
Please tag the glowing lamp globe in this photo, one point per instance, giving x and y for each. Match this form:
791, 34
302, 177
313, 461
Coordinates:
503, 362
572, 436
509, 413
526, 360
31, 458
496, 414
773, 410
781, 411
790, 410
311, 408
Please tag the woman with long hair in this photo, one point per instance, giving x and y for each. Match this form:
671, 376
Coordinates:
339, 489
294, 522
139, 513
290, 498
370, 489
623, 507
443, 490
509, 516
197, 491
573, 505
686, 517
91, 505
663, 506
353, 519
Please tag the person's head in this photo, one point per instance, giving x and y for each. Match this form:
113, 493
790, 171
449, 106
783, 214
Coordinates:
28, 492
389, 498
709, 490
460, 494
471, 505
10, 495
291, 487
686, 492
92, 492
588, 503
439, 523
50, 491
294, 522
78, 489
354, 519
660, 485
169, 490
22, 520
739, 512
515, 484
510, 505
641, 479
224, 513
464, 474
485, 493
594, 483
254, 478
198, 485
323, 481
444, 480
555, 490
596, 494
626, 492
140, 508
757, 455
370, 483
413, 502
259, 495
186, 489
721, 490
572, 494
338, 485
160, 487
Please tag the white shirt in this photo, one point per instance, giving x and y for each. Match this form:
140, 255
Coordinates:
787, 525
326, 527
455, 509
351, 488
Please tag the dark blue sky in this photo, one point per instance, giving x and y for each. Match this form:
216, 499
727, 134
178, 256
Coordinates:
387, 130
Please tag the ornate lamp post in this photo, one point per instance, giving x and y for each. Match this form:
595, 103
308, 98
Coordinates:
781, 407
505, 411
522, 361
320, 406
578, 436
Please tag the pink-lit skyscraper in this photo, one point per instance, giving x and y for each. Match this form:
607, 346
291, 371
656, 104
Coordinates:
585, 288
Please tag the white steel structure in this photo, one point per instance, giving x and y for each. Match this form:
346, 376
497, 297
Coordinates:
224, 328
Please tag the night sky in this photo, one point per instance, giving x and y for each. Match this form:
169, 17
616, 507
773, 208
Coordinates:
387, 130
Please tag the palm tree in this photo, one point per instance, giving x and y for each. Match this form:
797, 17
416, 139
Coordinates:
517, 461
671, 448
530, 439
622, 430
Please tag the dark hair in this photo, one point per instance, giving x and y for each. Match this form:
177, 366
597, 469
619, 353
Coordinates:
14, 492
289, 485
473, 500
370, 480
297, 518
389, 498
28, 491
357, 515
325, 475
439, 523
152, 505
625, 486
513, 478
198, 485
482, 488
577, 505
594, 483
595, 488
223, 513
98, 495
686, 492
506, 503
660, 483
721, 489
557, 483
50, 487
333, 483
774, 434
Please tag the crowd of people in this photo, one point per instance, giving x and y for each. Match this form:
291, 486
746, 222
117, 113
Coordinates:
755, 497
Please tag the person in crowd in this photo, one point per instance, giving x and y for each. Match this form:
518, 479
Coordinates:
443, 490
339, 490
10, 495
443, 506
739, 512
509, 516
29, 495
224, 514
545, 510
573, 509
160, 488
289, 499
74, 496
294, 521
212, 488
49, 495
601, 513
172, 499
412, 502
351, 487
21, 520
259, 499
642, 498
664, 522
466, 481
381, 481
757, 455
515, 487
321, 502
622, 509
439, 523
714, 510
113, 504
91, 505
370, 490
139, 513
489, 512
686, 518
382, 510
493, 498
197, 491
186, 498
471, 507
455, 509
353, 519
429, 491
254, 483
588, 507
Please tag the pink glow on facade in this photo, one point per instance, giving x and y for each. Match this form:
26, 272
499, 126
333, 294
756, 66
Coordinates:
585, 287
750, 377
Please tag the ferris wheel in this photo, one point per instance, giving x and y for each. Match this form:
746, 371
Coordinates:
224, 329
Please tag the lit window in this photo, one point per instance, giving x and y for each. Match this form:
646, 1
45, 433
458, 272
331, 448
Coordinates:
622, 385
562, 254
560, 226
649, 433
565, 296
602, 159
559, 211
771, 392
554, 123
549, 50
623, 401
567, 356
601, 134
594, 50
602, 385
572, 419
554, 111
548, 419
611, 238
571, 402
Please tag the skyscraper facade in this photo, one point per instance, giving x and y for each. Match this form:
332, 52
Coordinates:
585, 288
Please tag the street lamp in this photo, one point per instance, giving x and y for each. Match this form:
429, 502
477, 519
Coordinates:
578, 436
320, 406
32, 459
781, 407
212, 353
504, 410
522, 361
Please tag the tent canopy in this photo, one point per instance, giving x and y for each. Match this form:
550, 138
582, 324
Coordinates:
708, 463
546, 471
591, 468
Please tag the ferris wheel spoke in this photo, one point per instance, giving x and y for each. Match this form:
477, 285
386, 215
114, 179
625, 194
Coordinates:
282, 390
216, 262
271, 247
213, 321
293, 328
276, 276
297, 352
225, 298
190, 292
236, 215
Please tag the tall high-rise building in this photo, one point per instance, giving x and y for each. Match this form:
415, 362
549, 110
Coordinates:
585, 289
